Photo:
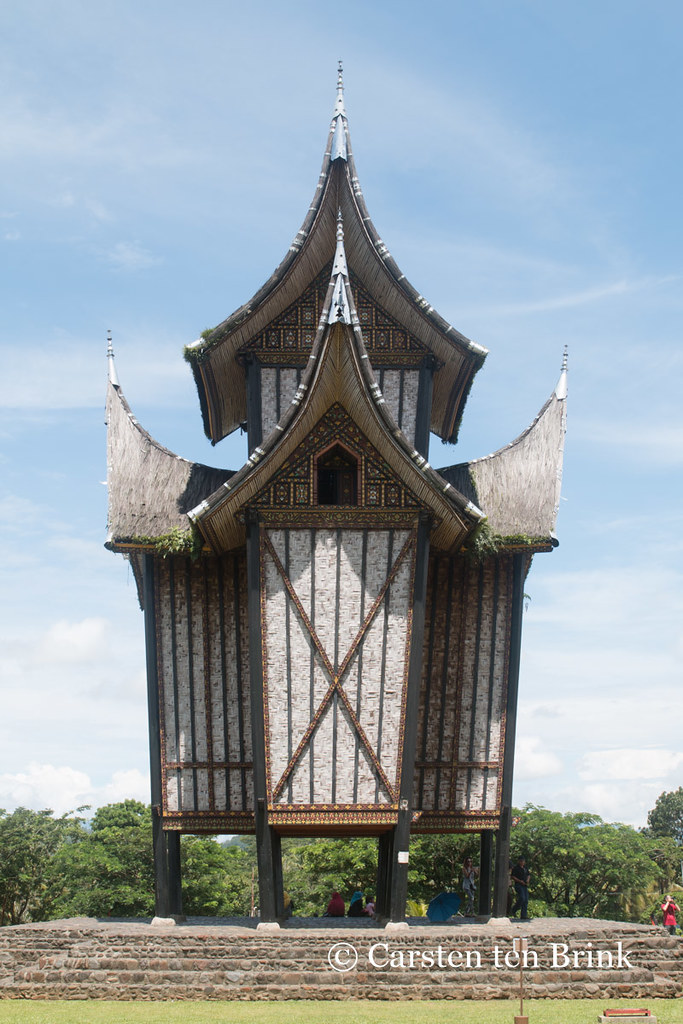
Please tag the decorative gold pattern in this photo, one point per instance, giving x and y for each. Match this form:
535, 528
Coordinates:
293, 487
288, 340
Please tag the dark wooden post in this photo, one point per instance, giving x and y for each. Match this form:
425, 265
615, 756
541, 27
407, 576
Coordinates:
485, 868
167, 876
271, 900
424, 405
502, 864
385, 847
254, 427
398, 881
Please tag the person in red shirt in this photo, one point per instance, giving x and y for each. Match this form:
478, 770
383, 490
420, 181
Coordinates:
669, 909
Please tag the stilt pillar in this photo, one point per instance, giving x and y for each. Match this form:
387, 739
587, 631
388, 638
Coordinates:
268, 849
168, 900
485, 868
502, 876
398, 875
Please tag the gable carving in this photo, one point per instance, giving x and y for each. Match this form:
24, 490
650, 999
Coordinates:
294, 486
288, 340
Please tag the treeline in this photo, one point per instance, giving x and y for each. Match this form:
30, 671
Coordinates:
54, 867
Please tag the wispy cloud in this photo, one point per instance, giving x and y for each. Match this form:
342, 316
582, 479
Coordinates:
131, 256
656, 440
631, 763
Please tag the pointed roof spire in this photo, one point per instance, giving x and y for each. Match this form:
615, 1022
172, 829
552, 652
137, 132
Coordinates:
339, 105
339, 149
114, 380
340, 308
561, 389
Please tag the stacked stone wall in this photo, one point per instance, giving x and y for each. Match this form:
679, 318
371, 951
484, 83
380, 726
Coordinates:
84, 960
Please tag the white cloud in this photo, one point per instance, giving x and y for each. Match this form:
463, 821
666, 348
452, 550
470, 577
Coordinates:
68, 642
125, 785
533, 761
46, 785
62, 788
629, 763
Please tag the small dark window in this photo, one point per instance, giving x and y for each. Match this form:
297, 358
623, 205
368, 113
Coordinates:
337, 478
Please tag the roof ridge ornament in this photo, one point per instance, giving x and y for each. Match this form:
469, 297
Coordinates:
561, 389
340, 307
339, 148
113, 378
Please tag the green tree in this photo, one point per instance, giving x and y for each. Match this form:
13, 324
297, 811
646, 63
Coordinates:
666, 817
110, 870
216, 878
583, 866
29, 842
436, 864
313, 869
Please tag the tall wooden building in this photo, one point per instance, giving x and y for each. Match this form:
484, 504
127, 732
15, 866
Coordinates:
333, 631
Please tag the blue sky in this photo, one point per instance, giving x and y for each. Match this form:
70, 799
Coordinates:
521, 160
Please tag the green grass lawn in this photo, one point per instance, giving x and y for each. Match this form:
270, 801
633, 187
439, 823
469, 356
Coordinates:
500, 1011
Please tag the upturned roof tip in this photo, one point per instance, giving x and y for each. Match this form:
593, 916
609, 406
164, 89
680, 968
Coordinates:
561, 388
113, 378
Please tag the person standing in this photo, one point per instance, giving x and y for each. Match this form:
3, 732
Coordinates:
669, 910
469, 885
520, 879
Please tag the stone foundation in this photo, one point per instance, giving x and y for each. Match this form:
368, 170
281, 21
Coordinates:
89, 959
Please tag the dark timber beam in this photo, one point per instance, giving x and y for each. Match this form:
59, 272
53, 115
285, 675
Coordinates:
167, 873
271, 900
423, 415
398, 881
502, 865
254, 420
385, 847
485, 870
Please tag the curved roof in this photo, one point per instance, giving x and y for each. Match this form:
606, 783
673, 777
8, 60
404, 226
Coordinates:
518, 487
220, 382
338, 374
151, 490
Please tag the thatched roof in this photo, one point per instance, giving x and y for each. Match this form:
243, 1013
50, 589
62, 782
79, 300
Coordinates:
338, 374
151, 490
518, 487
220, 380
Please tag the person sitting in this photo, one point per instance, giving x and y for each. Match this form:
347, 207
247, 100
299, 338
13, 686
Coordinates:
356, 905
335, 908
369, 906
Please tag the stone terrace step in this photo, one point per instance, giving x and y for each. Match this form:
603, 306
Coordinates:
87, 959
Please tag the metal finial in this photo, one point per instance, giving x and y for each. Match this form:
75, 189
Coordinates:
110, 357
561, 389
339, 103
